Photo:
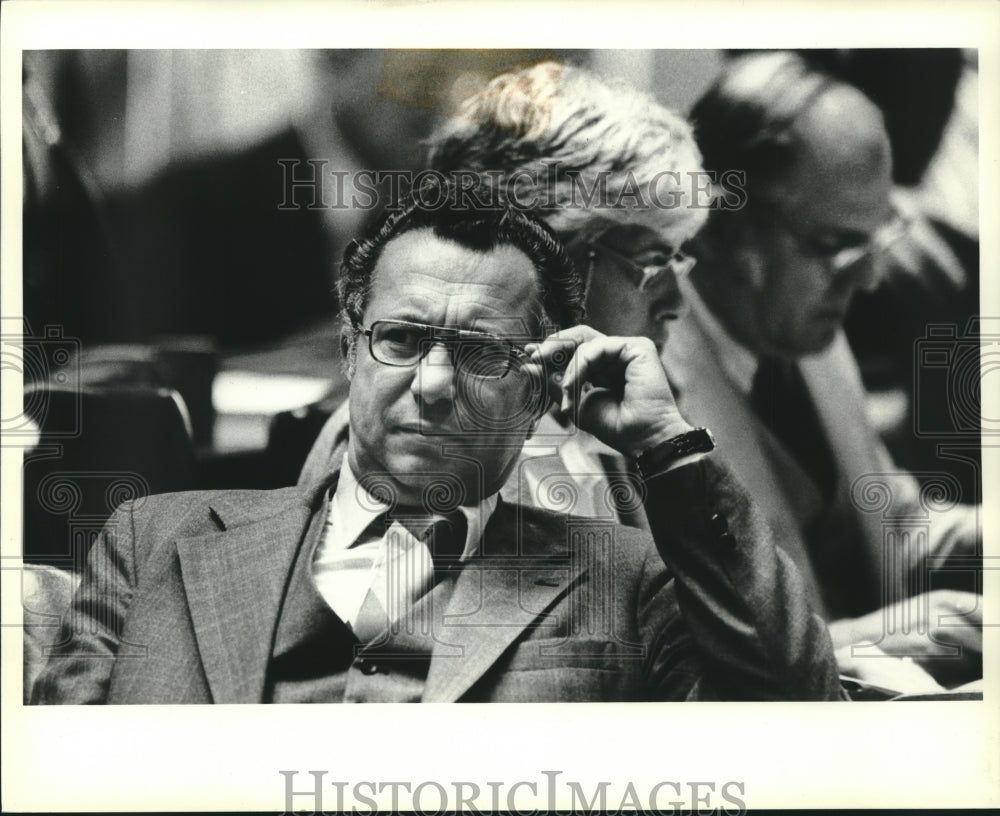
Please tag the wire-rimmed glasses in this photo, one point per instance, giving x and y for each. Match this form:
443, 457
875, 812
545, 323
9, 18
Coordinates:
642, 277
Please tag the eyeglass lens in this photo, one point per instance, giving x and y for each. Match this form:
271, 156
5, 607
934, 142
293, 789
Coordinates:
403, 344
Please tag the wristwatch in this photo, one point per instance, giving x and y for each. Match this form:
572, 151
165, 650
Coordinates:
660, 457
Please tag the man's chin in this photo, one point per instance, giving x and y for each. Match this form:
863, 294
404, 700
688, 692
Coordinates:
427, 481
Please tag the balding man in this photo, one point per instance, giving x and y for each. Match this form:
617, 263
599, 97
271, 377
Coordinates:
762, 359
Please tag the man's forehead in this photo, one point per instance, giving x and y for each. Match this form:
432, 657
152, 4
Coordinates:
821, 193
843, 127
633, 237
430, 278
634, 234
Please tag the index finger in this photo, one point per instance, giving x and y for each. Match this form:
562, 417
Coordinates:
557, 349
550, 358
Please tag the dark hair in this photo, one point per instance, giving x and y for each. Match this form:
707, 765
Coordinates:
478, 218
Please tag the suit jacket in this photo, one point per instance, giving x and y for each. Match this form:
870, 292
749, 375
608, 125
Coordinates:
843, 556
182, 594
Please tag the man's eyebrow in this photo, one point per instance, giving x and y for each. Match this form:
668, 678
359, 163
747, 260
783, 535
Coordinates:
646, 246
405, 317
504, 328
657, 248
819, 231
444, 328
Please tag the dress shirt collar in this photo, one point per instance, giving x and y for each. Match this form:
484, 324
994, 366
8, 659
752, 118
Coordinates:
349, 517
737, 361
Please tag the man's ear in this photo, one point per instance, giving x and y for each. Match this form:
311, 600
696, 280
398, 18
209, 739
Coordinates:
751, 266
734, 246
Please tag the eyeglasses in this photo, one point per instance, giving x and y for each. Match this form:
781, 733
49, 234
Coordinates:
840, 259
474, 354
643, 277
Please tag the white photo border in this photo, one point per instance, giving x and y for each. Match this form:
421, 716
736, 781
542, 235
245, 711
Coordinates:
229, 757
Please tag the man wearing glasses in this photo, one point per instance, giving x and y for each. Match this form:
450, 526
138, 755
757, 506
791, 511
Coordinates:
762, 359
403, 577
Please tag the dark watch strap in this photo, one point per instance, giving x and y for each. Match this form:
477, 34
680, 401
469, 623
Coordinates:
660, 457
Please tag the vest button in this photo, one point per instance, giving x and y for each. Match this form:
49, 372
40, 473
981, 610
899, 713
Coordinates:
368, 667
720, 526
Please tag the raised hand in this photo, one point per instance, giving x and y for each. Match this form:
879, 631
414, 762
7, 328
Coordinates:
613, 387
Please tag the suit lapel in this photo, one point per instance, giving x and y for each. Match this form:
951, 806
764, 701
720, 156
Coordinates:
835, 384
234, 581
523, 568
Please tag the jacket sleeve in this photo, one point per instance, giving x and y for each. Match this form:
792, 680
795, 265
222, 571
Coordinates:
748, 632
79, 664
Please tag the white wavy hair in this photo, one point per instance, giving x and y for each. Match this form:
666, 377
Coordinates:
525, 121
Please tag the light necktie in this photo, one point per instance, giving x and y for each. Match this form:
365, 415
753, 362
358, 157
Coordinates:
416, 556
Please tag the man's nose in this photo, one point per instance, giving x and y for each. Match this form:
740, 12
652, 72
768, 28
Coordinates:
434, 380
665, 283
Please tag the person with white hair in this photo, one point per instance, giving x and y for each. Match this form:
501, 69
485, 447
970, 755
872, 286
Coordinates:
616, 175
761, 356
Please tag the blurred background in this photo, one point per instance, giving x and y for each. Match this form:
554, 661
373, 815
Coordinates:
191, 318
131, 113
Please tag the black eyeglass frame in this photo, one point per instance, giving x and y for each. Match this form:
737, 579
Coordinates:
452, 339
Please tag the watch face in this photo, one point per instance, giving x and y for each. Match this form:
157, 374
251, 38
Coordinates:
700, 440
703, 440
